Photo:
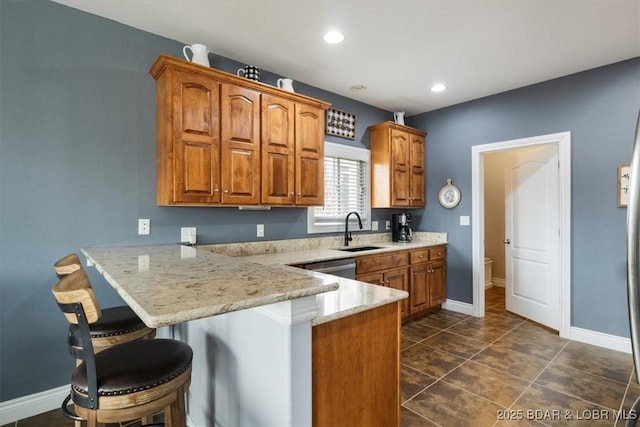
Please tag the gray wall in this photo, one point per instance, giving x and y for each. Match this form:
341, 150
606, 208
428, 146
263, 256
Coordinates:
599, 107
77, 168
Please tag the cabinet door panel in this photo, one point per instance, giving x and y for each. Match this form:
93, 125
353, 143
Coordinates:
240, 135
373, 278
196, 166
309, 131
398, 279
417, 171
438, 284
419, 288
400, 167
196, 144
278, 151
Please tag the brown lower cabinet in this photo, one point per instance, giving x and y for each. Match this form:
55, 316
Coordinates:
356, 369
421, 272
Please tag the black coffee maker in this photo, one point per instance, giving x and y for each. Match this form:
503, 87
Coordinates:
401, 227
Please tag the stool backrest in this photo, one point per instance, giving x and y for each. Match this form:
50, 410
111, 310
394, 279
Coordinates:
79, 304
75, 288
67, 265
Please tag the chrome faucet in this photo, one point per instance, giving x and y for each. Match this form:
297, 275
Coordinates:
347, 233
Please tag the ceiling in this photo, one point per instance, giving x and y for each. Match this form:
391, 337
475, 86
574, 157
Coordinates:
398, 48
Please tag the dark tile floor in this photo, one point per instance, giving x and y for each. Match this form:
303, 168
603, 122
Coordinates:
56, 419
501, 370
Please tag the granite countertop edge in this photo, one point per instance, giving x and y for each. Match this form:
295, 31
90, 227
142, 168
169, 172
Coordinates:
286, 259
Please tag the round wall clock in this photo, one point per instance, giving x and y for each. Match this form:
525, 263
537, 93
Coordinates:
449, 195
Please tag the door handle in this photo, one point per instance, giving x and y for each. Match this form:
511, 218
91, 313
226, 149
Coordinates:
507, 241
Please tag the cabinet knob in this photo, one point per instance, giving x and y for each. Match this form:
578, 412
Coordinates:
225, 191
299, 194
216, 190
292, 193
420, 256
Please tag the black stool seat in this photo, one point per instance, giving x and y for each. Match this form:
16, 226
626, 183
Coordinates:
133, 367
113, 321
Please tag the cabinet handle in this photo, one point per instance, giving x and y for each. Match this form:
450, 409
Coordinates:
387, 282
439, 253
299, 194
225, 191
216, 190
292, 193
420, 256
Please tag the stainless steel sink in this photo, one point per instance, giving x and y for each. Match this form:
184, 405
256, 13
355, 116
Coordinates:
359, 248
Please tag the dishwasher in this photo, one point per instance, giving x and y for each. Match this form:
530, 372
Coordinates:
345, 267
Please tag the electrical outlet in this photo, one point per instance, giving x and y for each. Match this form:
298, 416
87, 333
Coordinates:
260, 230
188, 235
374, 225
144, 226
388, 225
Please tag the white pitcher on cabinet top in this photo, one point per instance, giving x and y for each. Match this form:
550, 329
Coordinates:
398, 117
285, 84
199, 53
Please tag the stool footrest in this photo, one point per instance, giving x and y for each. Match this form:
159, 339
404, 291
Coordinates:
68, 413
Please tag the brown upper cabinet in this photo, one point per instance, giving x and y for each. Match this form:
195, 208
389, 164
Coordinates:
397, 166
227, 140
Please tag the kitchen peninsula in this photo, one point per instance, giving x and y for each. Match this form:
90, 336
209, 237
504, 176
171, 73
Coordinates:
249, 324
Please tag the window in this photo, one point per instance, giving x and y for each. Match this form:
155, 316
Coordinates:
346, 189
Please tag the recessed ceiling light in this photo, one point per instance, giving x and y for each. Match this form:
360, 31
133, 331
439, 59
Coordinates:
333, 37
438, 87
358, 88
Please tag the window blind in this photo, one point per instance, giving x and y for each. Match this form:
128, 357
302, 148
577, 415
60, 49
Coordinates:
345, 190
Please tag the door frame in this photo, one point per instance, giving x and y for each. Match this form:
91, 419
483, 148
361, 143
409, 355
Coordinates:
563, 141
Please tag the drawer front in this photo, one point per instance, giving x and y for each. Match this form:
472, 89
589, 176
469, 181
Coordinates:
417, 256
367, 264
439, 252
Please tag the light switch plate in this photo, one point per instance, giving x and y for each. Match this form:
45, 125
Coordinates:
388, 225
464, 220
260, 230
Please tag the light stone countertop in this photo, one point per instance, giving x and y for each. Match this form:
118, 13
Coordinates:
170, 284
352, 296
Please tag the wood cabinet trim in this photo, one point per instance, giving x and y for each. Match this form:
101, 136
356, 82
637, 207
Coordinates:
163, 61
423, 273
234, 164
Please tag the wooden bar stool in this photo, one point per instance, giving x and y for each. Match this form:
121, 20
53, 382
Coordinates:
128, 381
117, 325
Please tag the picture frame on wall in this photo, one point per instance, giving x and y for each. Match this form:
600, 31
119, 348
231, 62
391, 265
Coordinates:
340, 123
624, 169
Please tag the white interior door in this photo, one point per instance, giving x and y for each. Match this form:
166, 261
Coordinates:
532, 237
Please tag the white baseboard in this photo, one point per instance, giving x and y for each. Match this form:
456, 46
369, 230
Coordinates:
33, 404
458, 307
612, 342
600, 339
499, 282
38, 403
